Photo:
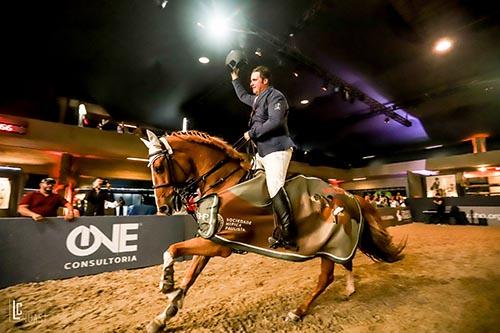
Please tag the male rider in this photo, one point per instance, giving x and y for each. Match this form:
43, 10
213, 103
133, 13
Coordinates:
269, 131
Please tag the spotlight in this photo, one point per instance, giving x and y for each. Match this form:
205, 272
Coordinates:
443, 45
204, 60
386, 120
161, 3
325, 85
258, 52
296, 74
345, 94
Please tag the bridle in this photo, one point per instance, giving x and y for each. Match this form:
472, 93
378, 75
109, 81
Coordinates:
187, 189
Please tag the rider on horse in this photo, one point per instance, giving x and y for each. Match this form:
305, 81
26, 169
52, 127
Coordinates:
269, 131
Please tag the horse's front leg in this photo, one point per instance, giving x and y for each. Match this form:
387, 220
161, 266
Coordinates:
202, 249
194, 246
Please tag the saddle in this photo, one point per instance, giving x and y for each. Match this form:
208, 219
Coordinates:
328, 219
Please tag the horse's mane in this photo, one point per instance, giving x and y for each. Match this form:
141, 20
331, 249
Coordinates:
204, 138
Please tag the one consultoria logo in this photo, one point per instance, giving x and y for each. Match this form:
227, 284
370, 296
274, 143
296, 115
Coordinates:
79, 240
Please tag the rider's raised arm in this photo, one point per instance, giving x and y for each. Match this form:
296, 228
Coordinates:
242, 94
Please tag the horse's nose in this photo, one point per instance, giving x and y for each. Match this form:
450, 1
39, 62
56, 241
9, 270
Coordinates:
164, 210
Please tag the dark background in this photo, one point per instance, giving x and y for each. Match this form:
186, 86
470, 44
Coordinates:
140, 62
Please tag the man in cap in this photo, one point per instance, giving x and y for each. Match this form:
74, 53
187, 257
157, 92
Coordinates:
269, 131
44, 202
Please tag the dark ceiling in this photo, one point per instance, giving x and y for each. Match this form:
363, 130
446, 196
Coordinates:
140, 62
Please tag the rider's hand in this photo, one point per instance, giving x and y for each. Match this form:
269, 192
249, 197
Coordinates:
246, 136
235, 73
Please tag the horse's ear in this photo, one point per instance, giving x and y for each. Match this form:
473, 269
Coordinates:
146, 142
166, 144
153, 138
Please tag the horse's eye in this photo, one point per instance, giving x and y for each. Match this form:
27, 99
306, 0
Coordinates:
159, 169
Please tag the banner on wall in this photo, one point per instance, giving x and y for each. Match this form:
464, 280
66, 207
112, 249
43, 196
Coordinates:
56, 249
5, 189
444, 186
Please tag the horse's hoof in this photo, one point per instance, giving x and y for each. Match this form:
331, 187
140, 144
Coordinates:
154, 327
349, 291
292, 317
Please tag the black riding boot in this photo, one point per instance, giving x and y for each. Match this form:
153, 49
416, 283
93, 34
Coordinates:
284, 222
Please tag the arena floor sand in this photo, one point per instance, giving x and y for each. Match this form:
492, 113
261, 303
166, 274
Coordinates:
449, 281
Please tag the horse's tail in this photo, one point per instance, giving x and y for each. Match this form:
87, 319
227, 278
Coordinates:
375, 241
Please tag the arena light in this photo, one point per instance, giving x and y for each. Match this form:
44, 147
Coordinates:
358, 179
368, 157
434, 147
204, 60
443, 45
216, 26
162, 3
425, 172
304, 101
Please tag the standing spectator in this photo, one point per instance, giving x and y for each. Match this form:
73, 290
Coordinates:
440, 209
44, 202
97, 196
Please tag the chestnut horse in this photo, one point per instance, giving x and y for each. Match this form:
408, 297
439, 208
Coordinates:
186, 163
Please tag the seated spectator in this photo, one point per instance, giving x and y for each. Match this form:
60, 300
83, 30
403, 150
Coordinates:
44, 203
457, 216
121, 207
147, 207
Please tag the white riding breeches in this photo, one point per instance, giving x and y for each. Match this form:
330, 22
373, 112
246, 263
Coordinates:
275, 165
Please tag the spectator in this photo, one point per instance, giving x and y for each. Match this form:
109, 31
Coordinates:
121, 207
146, 207
97, 196
44, 203
440, 209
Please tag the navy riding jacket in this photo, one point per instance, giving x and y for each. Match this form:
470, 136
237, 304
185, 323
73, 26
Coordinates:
268, 121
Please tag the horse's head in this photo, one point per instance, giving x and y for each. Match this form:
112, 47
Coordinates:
169, 173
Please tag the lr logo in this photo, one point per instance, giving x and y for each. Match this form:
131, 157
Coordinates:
16, 310
16, 313
117, 243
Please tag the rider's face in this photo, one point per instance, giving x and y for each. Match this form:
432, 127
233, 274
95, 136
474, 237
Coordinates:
257, 83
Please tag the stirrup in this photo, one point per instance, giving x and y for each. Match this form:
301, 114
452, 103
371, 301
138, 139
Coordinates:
275, 243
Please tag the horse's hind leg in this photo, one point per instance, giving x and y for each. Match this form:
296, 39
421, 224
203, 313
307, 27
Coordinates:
349, 285
324, 280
